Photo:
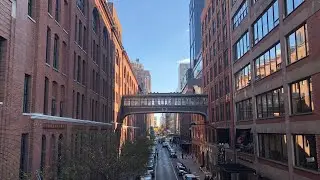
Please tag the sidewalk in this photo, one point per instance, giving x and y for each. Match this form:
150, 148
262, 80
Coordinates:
190, 163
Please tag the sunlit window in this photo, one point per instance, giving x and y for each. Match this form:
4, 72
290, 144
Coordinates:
268, 21
298, 47
301, 96
270, 104
305, 151
243, 77
269, 62
291, 5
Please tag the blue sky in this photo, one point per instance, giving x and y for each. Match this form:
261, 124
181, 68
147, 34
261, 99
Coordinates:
156, 32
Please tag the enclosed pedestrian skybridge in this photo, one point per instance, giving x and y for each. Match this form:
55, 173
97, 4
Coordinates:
163, 103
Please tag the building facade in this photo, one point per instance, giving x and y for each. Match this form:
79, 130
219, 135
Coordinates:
217, 81
144, 80
276, 95
195, 10
182, 78
58, 66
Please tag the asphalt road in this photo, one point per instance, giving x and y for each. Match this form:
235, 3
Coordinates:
165, 168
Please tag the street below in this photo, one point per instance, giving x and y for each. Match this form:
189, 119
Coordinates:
165, 167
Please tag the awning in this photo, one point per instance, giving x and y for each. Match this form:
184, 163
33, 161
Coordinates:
235, 168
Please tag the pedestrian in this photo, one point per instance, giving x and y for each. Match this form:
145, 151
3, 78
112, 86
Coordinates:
157, 154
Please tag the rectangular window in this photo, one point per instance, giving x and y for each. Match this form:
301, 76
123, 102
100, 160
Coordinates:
26, 93
228, 111
270, 104
74, 66
226, 84
215, 68
226, 59
297, 42
78, 106
73, 100
217, 113
84, 38
301, 96
269, 62
30, 8
291, 5
267, 22
79, 69
80, 34
46, 96
48, 45
221, 88
24, 156
240, 14
82, 106
57, 11
222, 112
242, 46
243, 77
244, 110
50, 6
211, 74
84, 73
305, 151
56, 52
216, 91
273, 146
76, 29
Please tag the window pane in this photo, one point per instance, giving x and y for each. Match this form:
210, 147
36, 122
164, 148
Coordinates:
267, 63
262, 70
289, 4
257, 69
276, 13
265, 24
301, 48
264, 106
259, 107
278, 54
270, 105
292, 48
260, 34
305, 96
297, 3
295, 98
275, 102
273, 62
270, 18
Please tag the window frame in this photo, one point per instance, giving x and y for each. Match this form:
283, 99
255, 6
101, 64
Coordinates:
309, 81
306, 43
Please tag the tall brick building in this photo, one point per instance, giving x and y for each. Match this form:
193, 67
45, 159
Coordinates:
276, 96
62, 69
217, 78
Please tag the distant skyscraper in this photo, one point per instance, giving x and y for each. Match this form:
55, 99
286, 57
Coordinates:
183, 67
195, 10
144, 81
143, 76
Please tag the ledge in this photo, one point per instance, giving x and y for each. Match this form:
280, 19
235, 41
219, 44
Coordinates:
38, 116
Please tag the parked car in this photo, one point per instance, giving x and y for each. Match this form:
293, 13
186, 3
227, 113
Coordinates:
190, 177
173, 155
164, 144
182, 167
150, 169
182, 172
147, 176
